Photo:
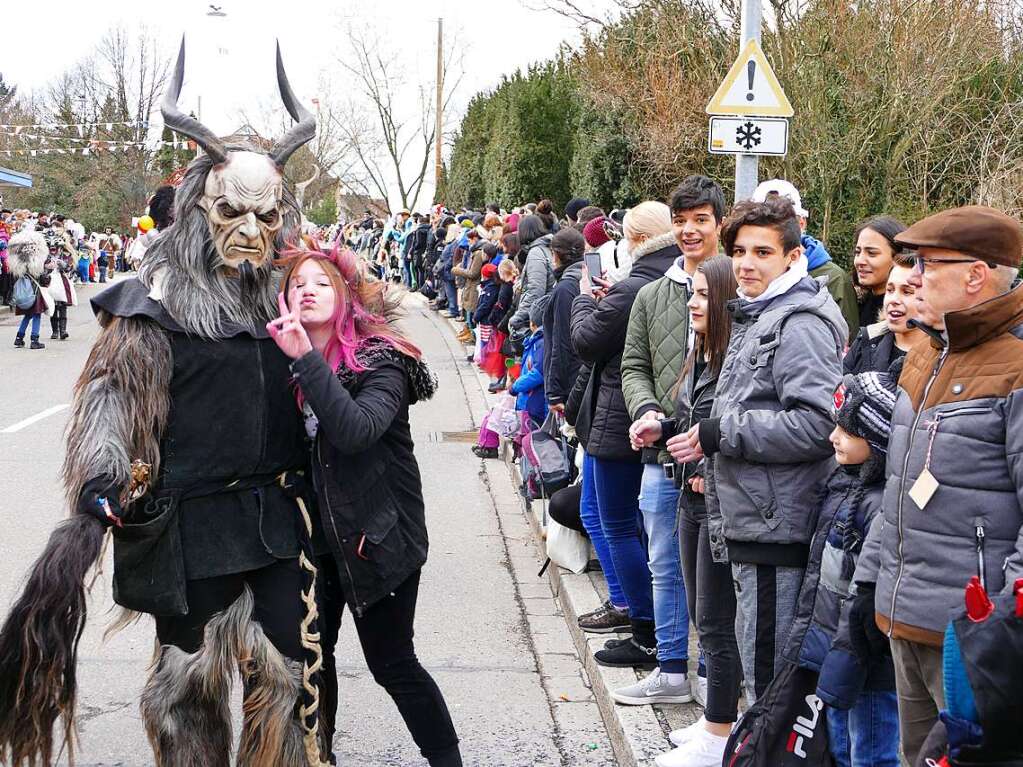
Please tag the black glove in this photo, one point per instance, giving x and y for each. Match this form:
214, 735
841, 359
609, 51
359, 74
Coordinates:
100, 498
868, 641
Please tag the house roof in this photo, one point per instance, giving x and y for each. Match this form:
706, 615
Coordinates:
15, 178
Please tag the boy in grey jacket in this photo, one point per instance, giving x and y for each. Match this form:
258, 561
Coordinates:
770, 424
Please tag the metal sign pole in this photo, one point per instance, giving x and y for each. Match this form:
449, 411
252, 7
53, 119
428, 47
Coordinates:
746, 165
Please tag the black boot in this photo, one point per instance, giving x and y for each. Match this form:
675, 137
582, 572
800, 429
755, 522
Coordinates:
54, 324
19, 341
63, 329
640, 651
35, 343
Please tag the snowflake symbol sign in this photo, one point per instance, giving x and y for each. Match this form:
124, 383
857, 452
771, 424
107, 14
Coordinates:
747, 135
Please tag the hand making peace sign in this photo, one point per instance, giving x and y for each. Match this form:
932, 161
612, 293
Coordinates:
287, 331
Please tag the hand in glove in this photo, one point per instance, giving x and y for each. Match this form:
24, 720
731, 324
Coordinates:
867, 640
100, 498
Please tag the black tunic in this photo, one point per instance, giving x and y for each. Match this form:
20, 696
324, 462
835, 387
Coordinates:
233, 427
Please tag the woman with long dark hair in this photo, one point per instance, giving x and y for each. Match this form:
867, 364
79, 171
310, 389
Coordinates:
356, 376
705, 568
873, 259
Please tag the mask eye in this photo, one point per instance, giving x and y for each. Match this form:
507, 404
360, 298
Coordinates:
226, 210
270, 217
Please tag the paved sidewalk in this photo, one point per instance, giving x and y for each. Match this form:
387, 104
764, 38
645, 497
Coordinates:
637, 733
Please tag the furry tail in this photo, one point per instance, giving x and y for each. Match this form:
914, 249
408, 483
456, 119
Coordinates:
39, 645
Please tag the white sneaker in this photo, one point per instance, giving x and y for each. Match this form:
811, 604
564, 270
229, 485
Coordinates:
700, 691
655, 688
686, 734
704, 750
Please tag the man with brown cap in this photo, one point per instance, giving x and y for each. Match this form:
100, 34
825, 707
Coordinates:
952, 504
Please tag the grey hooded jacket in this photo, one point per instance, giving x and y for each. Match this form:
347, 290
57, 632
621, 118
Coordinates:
537, 282
769, 427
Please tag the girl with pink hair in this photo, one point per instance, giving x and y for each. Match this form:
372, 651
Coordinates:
356, 376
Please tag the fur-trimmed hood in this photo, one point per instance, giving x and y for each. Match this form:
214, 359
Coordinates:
652, 245
26, 254
422, 381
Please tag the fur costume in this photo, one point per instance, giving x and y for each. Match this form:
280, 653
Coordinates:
183, 360
26, 254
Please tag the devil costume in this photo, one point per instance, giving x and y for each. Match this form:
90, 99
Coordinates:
184, 437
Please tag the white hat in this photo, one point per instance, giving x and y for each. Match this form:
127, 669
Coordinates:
783, 189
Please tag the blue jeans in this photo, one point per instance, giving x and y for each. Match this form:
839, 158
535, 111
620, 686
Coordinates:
867, 735
451, 292
34, 318
589, 514
618, 484
658, 503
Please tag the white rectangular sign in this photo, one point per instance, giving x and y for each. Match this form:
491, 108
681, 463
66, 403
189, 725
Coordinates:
748, 135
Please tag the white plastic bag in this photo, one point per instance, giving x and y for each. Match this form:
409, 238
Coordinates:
566, 547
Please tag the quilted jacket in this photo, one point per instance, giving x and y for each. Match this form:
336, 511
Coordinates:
656, 344
960, 410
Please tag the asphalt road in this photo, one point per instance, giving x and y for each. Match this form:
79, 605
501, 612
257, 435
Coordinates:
472, 632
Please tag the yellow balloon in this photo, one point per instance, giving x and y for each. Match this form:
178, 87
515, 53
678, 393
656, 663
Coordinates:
146, 223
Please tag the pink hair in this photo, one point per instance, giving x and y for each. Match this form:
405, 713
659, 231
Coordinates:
363, 313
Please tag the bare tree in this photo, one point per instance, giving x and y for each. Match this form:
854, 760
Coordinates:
392, 131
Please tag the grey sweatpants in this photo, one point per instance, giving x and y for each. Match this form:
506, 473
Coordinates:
765, 601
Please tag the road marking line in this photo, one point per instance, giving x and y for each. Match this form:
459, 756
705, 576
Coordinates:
37, 417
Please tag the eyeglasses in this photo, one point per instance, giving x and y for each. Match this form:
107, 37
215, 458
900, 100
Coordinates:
920, 262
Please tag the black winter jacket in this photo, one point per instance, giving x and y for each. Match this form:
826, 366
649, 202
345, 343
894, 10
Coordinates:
560, 362
693, 403
502, 306
598, 335
873, 349
364, 469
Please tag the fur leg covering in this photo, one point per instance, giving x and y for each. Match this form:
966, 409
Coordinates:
271, 734
39, 646
185, 705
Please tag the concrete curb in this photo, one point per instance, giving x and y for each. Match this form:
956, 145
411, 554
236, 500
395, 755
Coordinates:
637, 733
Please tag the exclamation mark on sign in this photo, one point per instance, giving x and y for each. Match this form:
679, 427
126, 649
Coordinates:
751, 69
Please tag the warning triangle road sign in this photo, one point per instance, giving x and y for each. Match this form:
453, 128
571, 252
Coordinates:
750, 88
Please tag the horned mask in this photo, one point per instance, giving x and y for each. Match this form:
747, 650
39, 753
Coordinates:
244, 190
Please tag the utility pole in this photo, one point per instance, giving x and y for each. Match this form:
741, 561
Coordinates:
438, 172
747, 165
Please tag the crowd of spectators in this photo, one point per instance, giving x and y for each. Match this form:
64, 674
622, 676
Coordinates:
772, 449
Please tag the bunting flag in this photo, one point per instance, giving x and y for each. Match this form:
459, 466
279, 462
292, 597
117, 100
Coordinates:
96, 146
80, 127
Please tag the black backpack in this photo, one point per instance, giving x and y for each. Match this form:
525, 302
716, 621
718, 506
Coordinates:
785, 727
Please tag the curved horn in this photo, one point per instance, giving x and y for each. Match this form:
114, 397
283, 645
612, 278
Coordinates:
178, 121
300, 133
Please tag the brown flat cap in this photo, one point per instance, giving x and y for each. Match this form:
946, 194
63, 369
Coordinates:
984, 233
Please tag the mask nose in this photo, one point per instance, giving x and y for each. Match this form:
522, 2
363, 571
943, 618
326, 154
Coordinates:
249, 228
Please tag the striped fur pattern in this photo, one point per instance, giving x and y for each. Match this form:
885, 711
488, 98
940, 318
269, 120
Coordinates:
185, 703
119, 411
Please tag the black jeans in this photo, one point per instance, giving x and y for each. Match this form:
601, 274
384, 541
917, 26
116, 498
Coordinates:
276, 591
711, 598
385, 632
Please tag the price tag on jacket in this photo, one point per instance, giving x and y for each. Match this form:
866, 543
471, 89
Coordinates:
923, 489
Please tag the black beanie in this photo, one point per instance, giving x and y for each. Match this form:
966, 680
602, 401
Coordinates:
569, 244
573, 206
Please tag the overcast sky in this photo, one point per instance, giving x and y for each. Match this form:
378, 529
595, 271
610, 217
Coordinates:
230, 59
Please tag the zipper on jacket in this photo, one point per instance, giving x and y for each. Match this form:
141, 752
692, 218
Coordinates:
337, 538
981, 569
902, 483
